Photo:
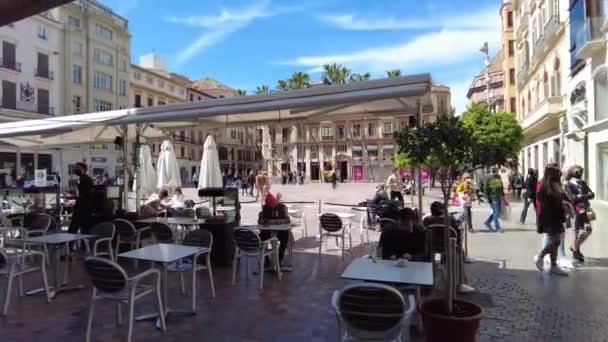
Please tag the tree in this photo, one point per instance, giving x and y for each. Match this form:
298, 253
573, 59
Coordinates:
393, 73
240, 92
401, 161
499, 136
299, 80
359, 77
335, 74
282, 85
448, 146
263, 89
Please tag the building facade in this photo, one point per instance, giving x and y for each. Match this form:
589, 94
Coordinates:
542, 67
358, 147
508, 57
585, 128
478, 90
31, 85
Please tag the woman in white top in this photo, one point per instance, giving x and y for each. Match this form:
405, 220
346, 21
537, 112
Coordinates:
177, 201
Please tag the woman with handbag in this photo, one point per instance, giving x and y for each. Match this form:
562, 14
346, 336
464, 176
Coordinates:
579, 193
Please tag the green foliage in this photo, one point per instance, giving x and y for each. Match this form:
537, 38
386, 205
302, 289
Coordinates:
240, 92
263, 89
393, 73
359, 77
335, 74
401, 161
499, 136
298, 80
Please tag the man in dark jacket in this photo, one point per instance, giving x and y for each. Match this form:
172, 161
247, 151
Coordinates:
83, 209
404, 239
530, 194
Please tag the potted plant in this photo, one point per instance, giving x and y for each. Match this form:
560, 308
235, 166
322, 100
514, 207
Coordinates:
450, 146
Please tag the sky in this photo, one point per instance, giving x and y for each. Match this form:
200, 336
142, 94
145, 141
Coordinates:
247, 43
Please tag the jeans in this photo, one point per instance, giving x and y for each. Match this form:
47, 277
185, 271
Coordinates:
524, 212
562, 245
495, 215
397, 195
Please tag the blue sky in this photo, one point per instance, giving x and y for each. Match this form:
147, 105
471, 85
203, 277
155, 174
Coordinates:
246, 43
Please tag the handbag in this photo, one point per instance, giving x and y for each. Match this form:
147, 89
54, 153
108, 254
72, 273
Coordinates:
590, 215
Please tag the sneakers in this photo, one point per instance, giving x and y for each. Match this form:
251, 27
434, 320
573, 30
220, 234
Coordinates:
556, 270
539, 262
464, 288
487, 224
565, 263
577, 255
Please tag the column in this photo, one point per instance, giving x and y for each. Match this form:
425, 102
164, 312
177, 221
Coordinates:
18, 163
35, 160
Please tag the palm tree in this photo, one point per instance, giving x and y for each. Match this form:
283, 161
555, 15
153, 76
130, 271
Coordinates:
282, 85
263, 89
335, 74
299, 80
240, 92
359, 77
393, 73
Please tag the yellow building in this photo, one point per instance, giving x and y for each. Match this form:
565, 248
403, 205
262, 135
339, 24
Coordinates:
508, 58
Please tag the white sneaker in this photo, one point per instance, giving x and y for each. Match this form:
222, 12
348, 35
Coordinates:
558, 271
565, 263
540, 263
464, 288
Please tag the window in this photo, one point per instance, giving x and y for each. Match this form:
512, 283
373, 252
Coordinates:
43, 102
103, 57
8, 61
357, 152
191, 97
314, 152
341, 132
300, 152
149, 80
161, 102
387, 128
77, 102
327, 131
43, 66
161, 83
171, 88
556, 152
182, 152
510, 19
285, 132
77, 74
556, 81
77, 49
150, 102
182, 92
9, 94
123, 65
74, 22
600, 88
372, 154
327, 150
42, 32
101, 105
232, 134
371, 130
546, 92
122, 88
137, 75
341, 148
101, 80
137, 100
356, 130
513, 104
512, 76
577, 33
511, 48
103, 32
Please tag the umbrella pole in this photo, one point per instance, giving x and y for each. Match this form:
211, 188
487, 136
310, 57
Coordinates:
125, 156
137, 171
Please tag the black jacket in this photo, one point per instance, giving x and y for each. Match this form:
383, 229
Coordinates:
530, 186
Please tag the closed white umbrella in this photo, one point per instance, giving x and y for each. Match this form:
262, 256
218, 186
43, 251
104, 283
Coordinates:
167, 167
210, 174
146, 170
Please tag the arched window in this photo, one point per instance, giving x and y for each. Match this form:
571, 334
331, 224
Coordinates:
222, 153
524, 112
556, 79
546, 84
538, 90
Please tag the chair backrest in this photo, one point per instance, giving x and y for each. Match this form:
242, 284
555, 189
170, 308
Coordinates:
106, 275
41, 222
124, 228
331, 222
162, 232
299, 210
103, 230
188, 212
369, 307
437, 238
247, 240
3, 259
199, 238
202, 212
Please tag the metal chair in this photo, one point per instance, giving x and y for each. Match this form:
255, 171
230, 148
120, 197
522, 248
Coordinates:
202, 212
250, 246
436, 240
300, 216
330, 225
372, 312
104, 234
128, 235
363, 227
15, 266
110, 282
199, 262
162, 232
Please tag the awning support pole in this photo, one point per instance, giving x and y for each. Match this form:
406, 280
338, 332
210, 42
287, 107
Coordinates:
125, 165
136, 165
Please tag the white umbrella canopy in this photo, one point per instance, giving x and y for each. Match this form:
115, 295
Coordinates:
167, 167
210, 174
146, 170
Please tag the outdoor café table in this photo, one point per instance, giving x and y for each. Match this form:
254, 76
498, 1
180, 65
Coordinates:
54, 241
386, 271
344, 216
174, 222
164, 254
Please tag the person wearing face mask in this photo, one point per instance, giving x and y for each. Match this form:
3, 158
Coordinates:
579, 194
83, 209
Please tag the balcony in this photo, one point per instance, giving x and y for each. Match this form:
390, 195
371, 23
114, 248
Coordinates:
49, 75
327, 138
522, 72
590, 40
180, 138
545, 114
29, 107
522, 24
11, 65
539, 47
552, 30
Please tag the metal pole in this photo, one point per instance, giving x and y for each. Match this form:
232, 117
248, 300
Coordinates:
125, 156
418, 124
137, 169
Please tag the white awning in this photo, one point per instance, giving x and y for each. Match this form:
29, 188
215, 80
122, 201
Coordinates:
357, 148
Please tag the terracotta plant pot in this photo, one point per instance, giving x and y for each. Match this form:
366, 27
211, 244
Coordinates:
461, 326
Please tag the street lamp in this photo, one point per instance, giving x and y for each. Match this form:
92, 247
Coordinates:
486, 50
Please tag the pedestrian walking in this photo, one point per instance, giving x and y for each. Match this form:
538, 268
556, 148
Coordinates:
260, 183
496, 197
465, 196
83, 208
579, 194
333, 179
516, 182
251, 182
394, 186
551, 217
529, 194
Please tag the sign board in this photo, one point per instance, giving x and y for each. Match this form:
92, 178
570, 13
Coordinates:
40, 178
358, 172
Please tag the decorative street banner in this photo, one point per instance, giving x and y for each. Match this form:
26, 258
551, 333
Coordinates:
358, 172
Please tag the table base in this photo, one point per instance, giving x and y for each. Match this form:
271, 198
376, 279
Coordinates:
53, 292
168, 312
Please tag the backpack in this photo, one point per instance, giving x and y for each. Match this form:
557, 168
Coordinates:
273, 216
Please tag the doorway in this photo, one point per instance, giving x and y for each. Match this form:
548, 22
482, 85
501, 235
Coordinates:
314, 171
343, 168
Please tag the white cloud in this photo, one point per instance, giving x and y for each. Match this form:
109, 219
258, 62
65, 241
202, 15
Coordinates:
486, 18
219, 27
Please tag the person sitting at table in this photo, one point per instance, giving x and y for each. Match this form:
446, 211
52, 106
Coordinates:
176, 204
274, 213
156, 203
437, 217
403, 239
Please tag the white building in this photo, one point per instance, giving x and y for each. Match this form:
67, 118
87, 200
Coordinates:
30, 73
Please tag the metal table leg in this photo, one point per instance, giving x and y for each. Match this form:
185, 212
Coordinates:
57, 286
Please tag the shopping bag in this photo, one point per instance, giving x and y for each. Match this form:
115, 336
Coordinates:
505, 211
